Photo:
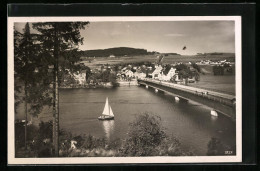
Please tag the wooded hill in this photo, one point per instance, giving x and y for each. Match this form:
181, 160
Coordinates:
118, 51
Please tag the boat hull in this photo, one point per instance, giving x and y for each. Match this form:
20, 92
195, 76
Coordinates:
105, 118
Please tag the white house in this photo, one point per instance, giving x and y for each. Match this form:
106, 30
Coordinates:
139, 74
169, 75
129, 73
157, 72
73, 144
150, 68
112, 56
80, 77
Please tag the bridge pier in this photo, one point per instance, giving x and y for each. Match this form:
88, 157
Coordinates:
213, 113
177, 98
181, 100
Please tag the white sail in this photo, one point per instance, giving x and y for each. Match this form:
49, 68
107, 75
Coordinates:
106, 108
110, 111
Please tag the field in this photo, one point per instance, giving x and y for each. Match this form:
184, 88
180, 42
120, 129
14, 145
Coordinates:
220, 83
118, 60
194, 58
224, 84
92, 63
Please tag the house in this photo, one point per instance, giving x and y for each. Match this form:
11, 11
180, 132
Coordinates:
124, 69
168, 75
129, 73
149, 68
80, 77
157, 73
112, 56
73, 144
139, 74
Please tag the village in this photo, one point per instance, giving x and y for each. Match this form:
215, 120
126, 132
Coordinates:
107, 75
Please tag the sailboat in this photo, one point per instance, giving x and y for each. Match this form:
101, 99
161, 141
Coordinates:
107, 112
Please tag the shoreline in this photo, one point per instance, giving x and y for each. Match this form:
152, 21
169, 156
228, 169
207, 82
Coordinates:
119, 84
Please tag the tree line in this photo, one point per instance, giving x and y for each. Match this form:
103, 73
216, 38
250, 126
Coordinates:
120, 51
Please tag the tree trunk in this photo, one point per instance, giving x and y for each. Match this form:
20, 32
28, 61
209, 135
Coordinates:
25, 111
56, 98
186, 81
56, 126
53, 122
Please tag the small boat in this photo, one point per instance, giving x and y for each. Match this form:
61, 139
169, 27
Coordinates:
107, 112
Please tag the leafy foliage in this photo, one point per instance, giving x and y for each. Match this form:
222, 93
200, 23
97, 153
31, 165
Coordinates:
186, 72
217, 148
88, 72
218, 70
167, 69
195, 66
147, 137
29, 71
60, 40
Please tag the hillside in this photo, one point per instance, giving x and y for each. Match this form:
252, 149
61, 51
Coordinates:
118, 51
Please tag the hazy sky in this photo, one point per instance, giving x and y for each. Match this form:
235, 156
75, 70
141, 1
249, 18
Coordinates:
161, 36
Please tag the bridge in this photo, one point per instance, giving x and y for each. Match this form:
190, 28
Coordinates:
218, 102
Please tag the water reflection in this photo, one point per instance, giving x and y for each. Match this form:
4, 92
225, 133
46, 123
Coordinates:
108, 128
213, 118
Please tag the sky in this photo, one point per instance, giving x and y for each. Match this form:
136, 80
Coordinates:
160, 36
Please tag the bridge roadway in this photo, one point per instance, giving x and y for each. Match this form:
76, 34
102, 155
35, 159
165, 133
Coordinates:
220, 102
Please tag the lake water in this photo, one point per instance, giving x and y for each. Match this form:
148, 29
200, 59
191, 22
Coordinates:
191, 123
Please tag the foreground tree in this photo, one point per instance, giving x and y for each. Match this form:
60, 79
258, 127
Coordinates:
145, 134
27, 75
22, 50
88, 72
147, 137
59, 43
17, 65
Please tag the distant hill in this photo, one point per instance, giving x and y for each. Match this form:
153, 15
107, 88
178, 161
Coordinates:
118, 51
216, 54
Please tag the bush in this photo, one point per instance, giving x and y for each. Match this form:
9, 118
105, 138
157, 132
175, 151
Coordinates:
195, 66
218, 70
217, 148
147, 137
32, 132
